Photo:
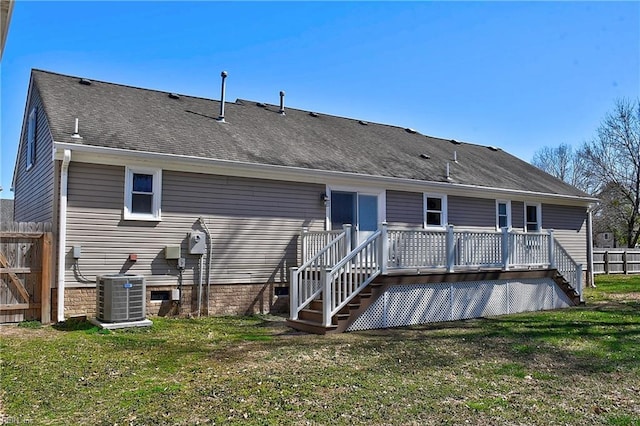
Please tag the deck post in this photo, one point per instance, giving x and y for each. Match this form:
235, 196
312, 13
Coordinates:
505, 248
327, 296
303, 244
451, 249
384, 248
552, 256
347, 236
579, 281
293, 294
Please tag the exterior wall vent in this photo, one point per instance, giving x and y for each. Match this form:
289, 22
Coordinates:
120, 298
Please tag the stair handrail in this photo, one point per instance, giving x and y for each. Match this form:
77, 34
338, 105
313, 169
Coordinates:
353, 273
305, 280
567, 266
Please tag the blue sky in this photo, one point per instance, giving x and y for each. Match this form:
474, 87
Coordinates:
518, 75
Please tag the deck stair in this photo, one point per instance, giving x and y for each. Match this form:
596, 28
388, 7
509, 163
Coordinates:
566, 287
310, 318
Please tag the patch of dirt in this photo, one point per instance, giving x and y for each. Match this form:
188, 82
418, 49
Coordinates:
12, 330
634, 297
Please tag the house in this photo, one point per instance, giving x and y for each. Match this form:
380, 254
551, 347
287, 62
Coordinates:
251, 207
605, 240
6, 9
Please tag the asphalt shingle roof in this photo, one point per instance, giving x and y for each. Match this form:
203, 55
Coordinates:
119, 116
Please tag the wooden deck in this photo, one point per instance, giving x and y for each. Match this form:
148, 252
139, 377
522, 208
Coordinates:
335, 282
310, 319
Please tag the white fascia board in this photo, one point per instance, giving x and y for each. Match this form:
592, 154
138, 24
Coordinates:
184, 163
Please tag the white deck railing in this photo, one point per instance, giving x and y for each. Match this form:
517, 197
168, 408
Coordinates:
416, 249
353, 273
312, 242
478, 249
340, 273
458, 250
529, 250
305, 280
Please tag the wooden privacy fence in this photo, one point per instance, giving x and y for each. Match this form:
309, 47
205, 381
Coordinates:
25, 272
616, 261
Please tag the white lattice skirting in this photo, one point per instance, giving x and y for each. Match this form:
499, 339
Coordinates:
412, 304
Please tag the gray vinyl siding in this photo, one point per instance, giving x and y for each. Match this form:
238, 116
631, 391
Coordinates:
405, 208
517, 215
466, 212
34, 188
569, 226
254, 225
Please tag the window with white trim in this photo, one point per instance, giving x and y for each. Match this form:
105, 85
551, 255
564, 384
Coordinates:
503, 214
435, 210
31, 137
532, 218
142, 193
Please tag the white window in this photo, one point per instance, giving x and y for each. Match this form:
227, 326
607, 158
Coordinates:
31, 138
142, 193
435, 211
532, 218
503, 214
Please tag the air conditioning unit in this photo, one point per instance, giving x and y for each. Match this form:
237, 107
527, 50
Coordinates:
120, 298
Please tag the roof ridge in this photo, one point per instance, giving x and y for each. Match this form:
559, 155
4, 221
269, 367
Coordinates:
394, 126
129, 86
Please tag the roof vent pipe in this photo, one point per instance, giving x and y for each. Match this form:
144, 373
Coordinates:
455, 156
448, 172
282, 102
76, 134
223, 74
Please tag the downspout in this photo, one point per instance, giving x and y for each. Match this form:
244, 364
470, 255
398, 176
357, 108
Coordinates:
590, 278
210, 244
62, 230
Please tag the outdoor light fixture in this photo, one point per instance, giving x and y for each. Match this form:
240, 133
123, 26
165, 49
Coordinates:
324, 198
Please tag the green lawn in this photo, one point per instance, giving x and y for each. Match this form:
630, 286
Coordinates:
575, 366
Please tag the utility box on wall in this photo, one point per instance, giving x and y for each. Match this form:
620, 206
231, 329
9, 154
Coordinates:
171, 252
197, 243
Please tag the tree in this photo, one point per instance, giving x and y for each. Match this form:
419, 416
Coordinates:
565, 164
610, 214
613, 163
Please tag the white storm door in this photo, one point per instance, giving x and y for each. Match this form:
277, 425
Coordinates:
367, 216
358, 210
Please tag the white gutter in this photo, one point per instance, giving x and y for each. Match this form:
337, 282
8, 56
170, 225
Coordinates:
62, 231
